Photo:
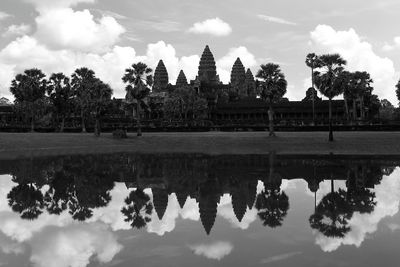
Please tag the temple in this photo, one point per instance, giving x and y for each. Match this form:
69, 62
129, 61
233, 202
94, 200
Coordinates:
239, 102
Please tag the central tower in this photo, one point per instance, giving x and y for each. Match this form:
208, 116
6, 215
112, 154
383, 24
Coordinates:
207, 70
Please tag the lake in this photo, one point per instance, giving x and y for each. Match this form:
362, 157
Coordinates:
199, 210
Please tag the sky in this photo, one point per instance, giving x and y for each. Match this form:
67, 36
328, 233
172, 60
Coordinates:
109, 35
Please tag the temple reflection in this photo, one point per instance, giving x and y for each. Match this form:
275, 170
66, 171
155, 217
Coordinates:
80, 184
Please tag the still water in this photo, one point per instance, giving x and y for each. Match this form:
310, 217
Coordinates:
197, 210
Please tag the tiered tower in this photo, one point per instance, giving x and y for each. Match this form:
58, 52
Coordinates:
250, 84
160, 77
207, 69
238, 78
181, 81
160, 201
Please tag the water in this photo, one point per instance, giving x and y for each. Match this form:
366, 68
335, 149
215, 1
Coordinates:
197, 210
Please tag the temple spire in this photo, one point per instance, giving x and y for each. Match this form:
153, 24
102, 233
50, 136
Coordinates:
207, 68
250, 84
160, 77
181, 81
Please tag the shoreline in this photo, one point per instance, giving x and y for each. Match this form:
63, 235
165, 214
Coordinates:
371, 144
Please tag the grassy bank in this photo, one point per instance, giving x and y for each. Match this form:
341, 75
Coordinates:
14, 145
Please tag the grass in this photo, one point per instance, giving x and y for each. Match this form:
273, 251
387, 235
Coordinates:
14, 145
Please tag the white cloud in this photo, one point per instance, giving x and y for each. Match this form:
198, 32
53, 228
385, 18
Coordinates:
216, 27
4, 15
359, 55
50, 4
214, 251
64, 28
389, 47
364, 225
18, 30
224, 64
74, 246
276, 20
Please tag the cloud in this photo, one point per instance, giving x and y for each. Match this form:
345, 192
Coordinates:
280, 257
389, 47
364, 225
18, 30
4, 15
276, 20
214, 251
74, 245
359, 55
224, 64
64, 28
50, 4
216, 27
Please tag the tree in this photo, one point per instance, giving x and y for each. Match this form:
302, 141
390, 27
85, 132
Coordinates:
398, 91
27, 200
272, 206
99, 95
81, 82
313, 62
332, 215
29, 89
330, 81
386, 111
61, 96
358, 88
273, 87
139, 80
138, 209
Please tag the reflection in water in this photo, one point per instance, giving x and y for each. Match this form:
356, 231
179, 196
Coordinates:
78, 186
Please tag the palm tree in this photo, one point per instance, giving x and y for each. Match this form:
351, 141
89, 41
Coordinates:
332, 215
138, 209
99, 99
81, 81
313, 62
330, 81
139, 80
29, 89
272, 206
60, 94
273, 86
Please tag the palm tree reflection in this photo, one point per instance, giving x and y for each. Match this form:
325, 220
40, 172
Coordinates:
272, 206
138, 209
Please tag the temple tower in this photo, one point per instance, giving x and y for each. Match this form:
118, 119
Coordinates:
160, 77
238, 78
181, 81
250, 84
207, 69
239, 203
160, 201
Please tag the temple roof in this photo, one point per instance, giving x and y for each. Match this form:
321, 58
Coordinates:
181, 80
238, 73
207, 68
160, 77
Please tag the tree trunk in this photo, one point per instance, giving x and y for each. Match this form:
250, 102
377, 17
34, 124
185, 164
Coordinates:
97, 127
83, 122
271, 120
313, 96
362, 108
139, 126
62, 124
354, 110
332, 185
330, 120
346, 106
32, 120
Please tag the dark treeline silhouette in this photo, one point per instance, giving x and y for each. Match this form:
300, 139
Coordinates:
79, 184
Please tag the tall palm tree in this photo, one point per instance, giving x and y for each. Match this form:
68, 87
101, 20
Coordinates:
273, 87
81, 81
330, 81
60, 94
313, 62
138, 79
